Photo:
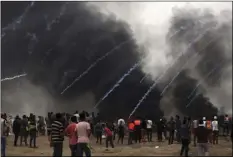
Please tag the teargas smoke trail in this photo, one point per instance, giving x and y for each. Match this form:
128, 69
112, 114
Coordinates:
169, 38
179, 56
207, 75
177, 74
118, 83
94, 64
143, 98
12, 78
19, 19
63, 9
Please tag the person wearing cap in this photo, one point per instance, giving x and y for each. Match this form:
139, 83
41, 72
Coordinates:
215, 130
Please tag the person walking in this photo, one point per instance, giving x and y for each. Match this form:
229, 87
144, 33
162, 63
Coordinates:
109, 137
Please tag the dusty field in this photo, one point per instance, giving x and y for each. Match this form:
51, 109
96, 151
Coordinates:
148, 149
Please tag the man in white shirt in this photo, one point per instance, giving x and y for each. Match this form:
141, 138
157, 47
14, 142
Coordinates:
215, 130
149, 130
83, 130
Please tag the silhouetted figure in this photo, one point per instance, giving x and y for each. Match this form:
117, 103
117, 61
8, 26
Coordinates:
16, 129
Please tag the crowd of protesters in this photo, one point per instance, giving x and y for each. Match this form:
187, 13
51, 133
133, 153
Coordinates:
79, 127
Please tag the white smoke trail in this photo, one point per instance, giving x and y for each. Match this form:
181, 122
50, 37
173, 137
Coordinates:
143, 98
12, 78
118, 83
207, 75
189, 45
173, 35
161, 76
63, 9
19, 19
95, 63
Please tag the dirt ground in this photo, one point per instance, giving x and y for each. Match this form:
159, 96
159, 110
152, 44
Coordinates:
224, 148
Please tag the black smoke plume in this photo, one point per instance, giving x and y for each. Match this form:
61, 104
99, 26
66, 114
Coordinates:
211, 49
64, 49
56, 41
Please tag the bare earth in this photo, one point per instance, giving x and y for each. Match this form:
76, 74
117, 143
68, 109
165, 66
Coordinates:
224, 148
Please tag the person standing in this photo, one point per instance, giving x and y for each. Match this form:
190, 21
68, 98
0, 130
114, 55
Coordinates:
194, 126
24, 131
83, 131
149, 130
131, 132
57, 136
98, 132
226, 126
32, 131
215, 130
3, 135
108, 134
160, 130
202, 139
70, 132
171, 128
178, 127
121, 132
16, 129
185, 138
209, 127
137, 126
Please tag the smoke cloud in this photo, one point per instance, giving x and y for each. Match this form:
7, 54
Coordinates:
55, 42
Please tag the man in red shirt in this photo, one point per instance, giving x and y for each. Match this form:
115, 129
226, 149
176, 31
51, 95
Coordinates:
108, 134
70, 132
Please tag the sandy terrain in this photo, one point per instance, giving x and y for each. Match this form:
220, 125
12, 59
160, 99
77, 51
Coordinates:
148, 149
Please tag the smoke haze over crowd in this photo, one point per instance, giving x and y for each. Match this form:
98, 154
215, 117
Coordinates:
55, 42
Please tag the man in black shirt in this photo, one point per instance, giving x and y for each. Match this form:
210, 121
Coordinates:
171, 128
16, 129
